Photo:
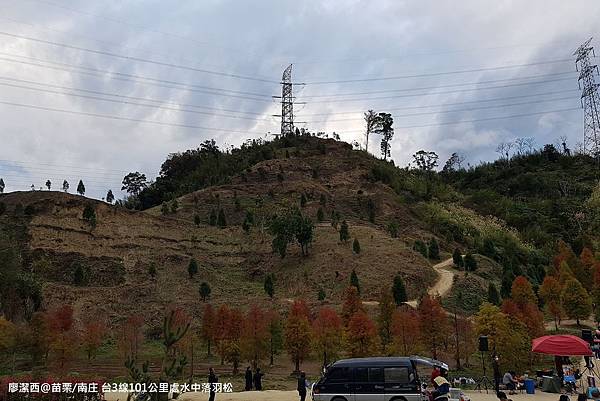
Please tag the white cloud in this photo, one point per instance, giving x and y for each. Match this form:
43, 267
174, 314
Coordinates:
329, 40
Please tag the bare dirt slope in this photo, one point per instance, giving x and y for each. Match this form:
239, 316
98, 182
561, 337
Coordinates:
117, 253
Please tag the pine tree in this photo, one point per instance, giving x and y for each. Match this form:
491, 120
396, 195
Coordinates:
192, 268
110, 198
356, 246
81, 188
221, 221
457, 258
269, 286
2, 185
89, 215
344, 233
354, 280
174, 205
371, 210
434, 249
48, 184
399, 290
79, 275
204, 290
384, 319
164, 208
212, 218
302, 200
65, 186
152, 271
421, 247
197, 219
246, 226
393, 229
493, 295
470, 262
321, 295
320, 215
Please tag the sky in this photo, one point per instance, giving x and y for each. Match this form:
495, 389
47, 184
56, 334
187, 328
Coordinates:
92, 90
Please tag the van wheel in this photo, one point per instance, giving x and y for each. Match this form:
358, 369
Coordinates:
339, 399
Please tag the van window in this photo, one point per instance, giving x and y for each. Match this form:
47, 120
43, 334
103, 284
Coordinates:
376, 375
338, 375
361, 375
396, 375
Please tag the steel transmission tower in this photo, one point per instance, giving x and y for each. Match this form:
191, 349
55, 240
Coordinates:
590, 99
287, 103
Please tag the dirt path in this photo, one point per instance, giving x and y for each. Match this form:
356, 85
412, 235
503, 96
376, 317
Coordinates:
444, 283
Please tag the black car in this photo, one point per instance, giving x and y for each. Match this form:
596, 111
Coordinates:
370, 379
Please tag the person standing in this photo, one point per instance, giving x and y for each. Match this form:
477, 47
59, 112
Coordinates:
212, 382
248, 377
302, 386
258, 380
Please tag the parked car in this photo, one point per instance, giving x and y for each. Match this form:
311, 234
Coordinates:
370, 379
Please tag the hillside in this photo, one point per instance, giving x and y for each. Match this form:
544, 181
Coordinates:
105, 268
116, 254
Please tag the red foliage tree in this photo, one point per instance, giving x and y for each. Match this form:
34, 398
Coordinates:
351, 305
591, 268
406, 331
550, 291
222, 330
131, 336
63, 337
297, 333
523, 306
327, 333
361, 335
92, 336
255, 336
522, 293
433, 323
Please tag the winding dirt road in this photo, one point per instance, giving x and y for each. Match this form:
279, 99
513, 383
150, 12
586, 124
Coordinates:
444, 283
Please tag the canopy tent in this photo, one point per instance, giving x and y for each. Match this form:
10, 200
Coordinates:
561, 345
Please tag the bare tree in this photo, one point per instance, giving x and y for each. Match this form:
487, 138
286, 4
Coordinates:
530, 144
501, 149
520, 145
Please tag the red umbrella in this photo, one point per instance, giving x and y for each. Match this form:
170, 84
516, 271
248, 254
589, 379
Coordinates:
561, 345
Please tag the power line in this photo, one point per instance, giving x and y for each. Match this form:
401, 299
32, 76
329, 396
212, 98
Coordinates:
439, 86
127, 102
477, 119
134, 26
449, 104
104, 42
433, 74
56, 165
183, 87
138, 59
454, 110
439, 92
138, 79
120, 118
